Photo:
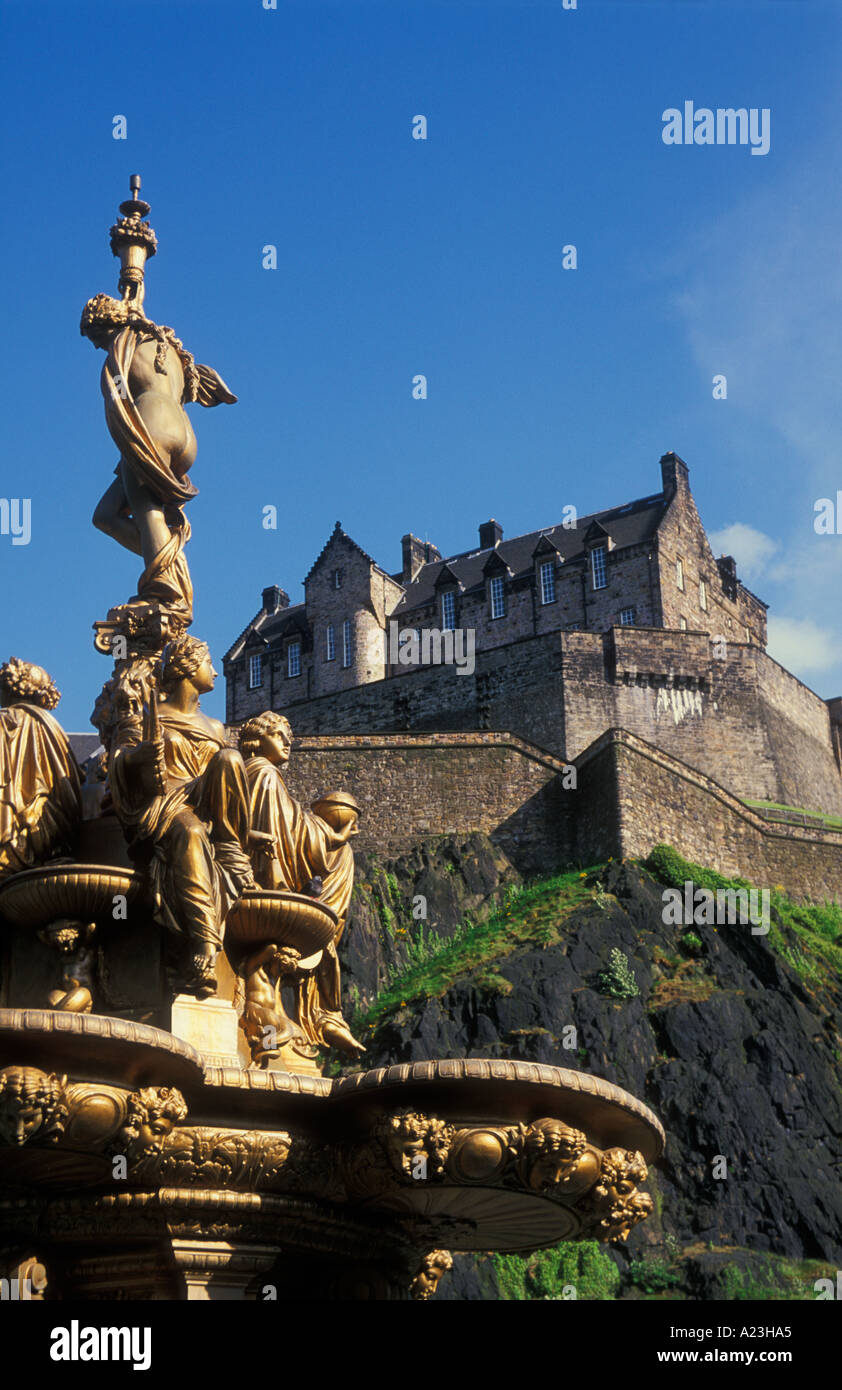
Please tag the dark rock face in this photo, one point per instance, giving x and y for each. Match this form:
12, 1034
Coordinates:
454, 875
734, 1052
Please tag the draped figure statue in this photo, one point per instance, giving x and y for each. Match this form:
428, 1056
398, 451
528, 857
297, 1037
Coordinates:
147, 379
182, 798
304, 852
40, 797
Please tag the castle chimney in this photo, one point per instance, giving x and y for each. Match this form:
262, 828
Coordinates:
727, 566
274, 599
414, 554
674, 474
490, 533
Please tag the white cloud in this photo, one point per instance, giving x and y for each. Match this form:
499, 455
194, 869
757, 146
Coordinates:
751, 549
800, 645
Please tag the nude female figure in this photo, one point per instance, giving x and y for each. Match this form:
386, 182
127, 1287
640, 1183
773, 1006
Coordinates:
147, 379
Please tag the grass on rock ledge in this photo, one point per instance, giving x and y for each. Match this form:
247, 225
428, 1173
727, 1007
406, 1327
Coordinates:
530, 916
807, 936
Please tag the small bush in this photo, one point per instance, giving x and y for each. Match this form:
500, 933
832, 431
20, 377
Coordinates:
618, 980
583, 1266
652, 1276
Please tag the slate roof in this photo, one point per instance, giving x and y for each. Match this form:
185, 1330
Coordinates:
632, 524
83, 746
272, 627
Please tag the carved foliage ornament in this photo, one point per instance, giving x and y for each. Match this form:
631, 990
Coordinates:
547, 1158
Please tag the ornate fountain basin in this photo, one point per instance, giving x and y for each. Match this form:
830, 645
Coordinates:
82, 892
289, 919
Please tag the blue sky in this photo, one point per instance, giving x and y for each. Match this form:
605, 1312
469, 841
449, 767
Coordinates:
292, 127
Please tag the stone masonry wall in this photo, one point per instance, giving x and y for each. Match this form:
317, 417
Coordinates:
414, 787
736, 613
739, 717
658, 800
629, 797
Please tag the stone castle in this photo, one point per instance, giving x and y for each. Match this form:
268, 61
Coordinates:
616, 643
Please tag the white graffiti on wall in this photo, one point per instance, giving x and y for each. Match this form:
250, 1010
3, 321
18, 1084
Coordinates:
681, 704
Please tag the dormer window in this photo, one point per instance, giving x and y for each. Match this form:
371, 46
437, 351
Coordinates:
448, 611
497, 593
599, 569
255, 672
546, 573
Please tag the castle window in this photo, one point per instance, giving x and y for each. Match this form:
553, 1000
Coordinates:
347, 643
448, 611
337, 579
703, 596
255, 672
330, 643
547, 581
598, 568
682, 623
627, 617
679, 573
498, 597
294, 659
748, 634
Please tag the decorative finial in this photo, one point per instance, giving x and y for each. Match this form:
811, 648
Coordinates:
134, 241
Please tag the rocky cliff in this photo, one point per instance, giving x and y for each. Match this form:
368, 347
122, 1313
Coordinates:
733, 1037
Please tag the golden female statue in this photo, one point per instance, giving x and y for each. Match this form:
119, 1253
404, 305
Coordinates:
182, 798
147, 380
40, 801
305, 852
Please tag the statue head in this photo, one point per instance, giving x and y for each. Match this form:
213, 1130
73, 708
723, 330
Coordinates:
102, 317
186, 658
66, 935
23, 683
553, 1153
122, 699
267, 735
152, 1113
32, 1103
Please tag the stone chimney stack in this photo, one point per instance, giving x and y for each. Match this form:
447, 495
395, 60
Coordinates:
490, 533
414, 554
274, 599
675, 474
727, 566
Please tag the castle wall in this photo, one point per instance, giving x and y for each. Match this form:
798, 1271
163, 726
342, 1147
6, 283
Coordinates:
732, 610
629, 797
413, 787
736, 716
659, 800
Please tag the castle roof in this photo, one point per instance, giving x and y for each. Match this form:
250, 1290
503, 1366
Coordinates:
271, 628
634, 523
339, 534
